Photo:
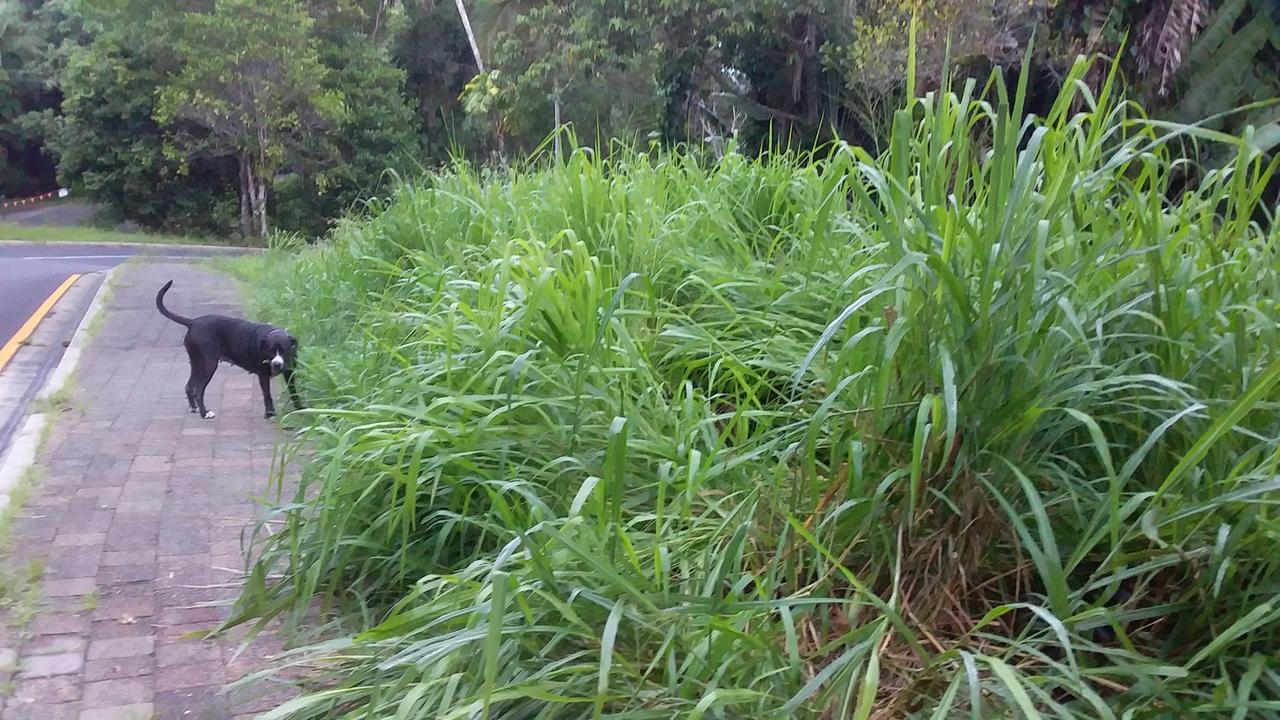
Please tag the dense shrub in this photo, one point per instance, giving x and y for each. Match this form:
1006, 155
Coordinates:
108, 143
984, 426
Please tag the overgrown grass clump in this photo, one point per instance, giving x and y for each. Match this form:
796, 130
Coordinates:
986, 426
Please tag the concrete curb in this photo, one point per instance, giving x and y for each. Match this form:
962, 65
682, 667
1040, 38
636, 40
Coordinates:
26, 443
216, 249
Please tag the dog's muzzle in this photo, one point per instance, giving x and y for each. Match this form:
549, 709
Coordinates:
277, 364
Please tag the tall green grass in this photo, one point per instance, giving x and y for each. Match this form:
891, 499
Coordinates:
986, 426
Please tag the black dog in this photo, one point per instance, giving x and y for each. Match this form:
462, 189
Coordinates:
261, 349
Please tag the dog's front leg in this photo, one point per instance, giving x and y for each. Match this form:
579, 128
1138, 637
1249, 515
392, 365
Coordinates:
293, 392
264, 379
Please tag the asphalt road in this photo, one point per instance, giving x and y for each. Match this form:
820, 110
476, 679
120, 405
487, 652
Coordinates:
63, 212
30, 272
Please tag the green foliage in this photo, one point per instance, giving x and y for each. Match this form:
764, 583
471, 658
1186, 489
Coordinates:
21, 93
250, 76
109, 143
36, 38
593, 59
376, 139
347, 79
1235, 63
157, 118
995, 32
982, 427
433, 51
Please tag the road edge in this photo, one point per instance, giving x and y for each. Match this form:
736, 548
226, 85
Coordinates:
218, 249
26, 443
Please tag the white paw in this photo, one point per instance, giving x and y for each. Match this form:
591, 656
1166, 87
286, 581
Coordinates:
209, 414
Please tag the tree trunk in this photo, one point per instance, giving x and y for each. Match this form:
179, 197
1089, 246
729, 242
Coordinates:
256, 188
471, 36
556, 102
498, 135
261, 211
811, 95
246, 190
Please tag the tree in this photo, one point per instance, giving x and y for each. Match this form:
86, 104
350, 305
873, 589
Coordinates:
29, 39
554, 64
252, 79
432, 49
378, 135
108, 142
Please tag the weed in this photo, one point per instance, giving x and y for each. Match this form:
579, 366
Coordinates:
982, 427
60, 401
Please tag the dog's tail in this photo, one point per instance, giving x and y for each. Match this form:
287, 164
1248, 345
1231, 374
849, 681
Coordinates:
165, 311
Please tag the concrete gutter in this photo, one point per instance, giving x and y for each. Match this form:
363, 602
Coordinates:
161, 247
26, 443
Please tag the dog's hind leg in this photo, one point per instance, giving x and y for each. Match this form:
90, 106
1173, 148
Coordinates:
193, 355
264, 380
201, 373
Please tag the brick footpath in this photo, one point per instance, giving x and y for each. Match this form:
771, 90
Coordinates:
137, 522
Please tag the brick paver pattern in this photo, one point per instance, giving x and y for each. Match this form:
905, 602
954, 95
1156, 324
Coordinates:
138, 520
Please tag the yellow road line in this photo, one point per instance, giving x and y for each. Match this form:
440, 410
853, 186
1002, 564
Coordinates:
11, 348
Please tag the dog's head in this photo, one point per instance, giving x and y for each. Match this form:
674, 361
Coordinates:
278, 351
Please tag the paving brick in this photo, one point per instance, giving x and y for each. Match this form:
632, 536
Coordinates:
187, 652
55, 645
136, 711
140, 507
189, 543
151, 463
115, 668
109, 693
101, 477
129, 541
59, 623
180, 616
81, 506
260, 698
37, 666
71, 562
8, 660
49, 503
118, 628
112, 558
37, 531
79, 539
195, 457
66, 587
126, 603
200, 703
121, 647
42, 711
61, 689
188, 632
113, 575
96, 520
182, 677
